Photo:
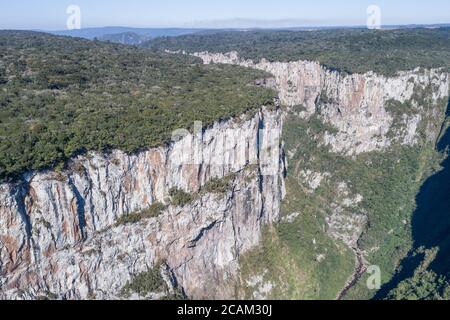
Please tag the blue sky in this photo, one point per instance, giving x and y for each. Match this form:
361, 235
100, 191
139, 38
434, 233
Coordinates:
51, 14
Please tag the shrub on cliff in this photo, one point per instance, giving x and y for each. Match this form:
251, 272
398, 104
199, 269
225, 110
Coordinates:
218, 186
145, 283
179, 197
153, 211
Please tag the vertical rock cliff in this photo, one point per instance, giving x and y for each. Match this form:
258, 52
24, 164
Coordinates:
59, 231
359, 147
355, 105
81, 233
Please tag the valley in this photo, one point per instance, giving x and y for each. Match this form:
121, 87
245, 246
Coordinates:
315, 160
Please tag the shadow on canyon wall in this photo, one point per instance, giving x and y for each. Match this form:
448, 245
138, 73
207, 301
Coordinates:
430, 223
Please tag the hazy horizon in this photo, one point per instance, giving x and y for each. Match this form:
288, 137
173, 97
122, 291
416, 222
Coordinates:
48, 15
237, 27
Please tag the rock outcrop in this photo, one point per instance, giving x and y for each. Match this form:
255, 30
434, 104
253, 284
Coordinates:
59, 234
59, 231
354, 105
352, 117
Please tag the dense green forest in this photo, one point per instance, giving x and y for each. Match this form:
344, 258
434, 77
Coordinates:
347, 50
425, 273
62, 96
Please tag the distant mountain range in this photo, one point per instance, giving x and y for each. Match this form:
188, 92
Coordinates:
137, 36
108, 32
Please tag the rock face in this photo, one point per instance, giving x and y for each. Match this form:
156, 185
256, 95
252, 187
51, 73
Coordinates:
58, 231
59, 234
354, 105
356, 114
353, 118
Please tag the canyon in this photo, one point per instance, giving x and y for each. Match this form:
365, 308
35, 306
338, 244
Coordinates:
59, 235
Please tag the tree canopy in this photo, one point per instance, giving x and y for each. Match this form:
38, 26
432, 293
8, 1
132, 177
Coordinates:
63, 96
347, 50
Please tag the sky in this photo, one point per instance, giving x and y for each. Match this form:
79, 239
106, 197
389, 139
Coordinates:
51, 14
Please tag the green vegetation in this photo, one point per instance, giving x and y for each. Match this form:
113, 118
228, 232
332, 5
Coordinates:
299, 258
275, 265
60, 97
128, 38
153, 211
424, 273
424, 284
218, 186
49, 296
63, 96
179, 197
145, 283
390, 185
347, 50
149, 282
388, 182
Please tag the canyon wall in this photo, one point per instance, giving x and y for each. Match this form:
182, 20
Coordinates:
59, 231
354, 105
348, 137
59, 235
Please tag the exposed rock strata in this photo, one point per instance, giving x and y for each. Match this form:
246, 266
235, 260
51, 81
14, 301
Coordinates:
58, 232
355, 105
358, 114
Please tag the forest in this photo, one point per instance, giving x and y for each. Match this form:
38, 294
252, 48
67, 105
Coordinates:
347, 50
62, 96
